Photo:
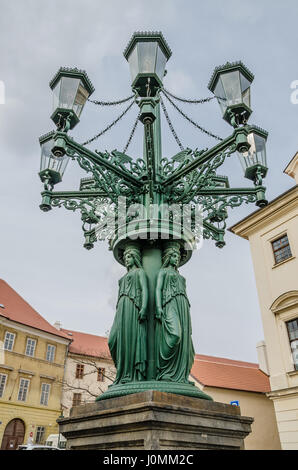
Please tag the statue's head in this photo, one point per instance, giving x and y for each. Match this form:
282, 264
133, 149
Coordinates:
171, 255
132, 256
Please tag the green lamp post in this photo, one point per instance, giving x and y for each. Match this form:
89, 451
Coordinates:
124, 200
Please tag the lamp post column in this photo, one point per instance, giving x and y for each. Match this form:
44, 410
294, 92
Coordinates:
151, 249
151, 265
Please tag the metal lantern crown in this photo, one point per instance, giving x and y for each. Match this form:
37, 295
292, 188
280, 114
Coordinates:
71, 89
254, 160
230, 83
147, 54
52, 167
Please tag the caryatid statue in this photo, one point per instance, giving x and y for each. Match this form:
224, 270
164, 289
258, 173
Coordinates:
150, 340
173, 342
128, 336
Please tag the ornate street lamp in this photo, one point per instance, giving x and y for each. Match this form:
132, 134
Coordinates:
52, 167
230, 83
151, 245
254, 161
147, 54
71, 89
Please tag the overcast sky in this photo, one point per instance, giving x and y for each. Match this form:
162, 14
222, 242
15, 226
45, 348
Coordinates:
41, 254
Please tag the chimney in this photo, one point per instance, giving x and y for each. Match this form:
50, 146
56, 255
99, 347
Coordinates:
262, 357
58, 325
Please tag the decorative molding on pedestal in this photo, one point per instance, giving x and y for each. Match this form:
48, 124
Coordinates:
155, 420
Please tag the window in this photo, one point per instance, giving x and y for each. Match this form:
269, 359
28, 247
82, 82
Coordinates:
292, 327
9, 341
3, 378
79, 371
51, 353
23, 390
40, 432
281, 249
45, 392
76, 399
101, 374
30, 347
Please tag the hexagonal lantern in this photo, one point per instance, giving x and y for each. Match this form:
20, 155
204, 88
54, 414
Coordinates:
52, 168
230, 83
147, 54
254, 161
71, 89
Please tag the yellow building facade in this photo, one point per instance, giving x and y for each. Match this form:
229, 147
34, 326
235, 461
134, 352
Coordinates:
273, 236
32, 362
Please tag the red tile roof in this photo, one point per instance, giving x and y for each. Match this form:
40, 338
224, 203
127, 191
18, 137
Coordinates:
18, 310
88, 345
227, 373
208, 370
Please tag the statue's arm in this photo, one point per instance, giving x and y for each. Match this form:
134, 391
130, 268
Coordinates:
158, 294
144, 289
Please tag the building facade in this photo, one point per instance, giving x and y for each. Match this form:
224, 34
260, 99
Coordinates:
273, 236
241, 384
32, 362
89, 369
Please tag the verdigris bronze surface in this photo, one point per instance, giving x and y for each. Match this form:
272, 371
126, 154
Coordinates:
174, 348
128, 336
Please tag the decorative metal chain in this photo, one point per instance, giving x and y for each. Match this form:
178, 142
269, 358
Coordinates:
190, 120
132, 133
184, 100
170, 124
111, 103
109, 126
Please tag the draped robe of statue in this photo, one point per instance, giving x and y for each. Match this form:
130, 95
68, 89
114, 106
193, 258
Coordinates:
127, 339
173, 342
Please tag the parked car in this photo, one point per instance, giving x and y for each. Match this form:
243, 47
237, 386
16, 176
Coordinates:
36, 447
56, 441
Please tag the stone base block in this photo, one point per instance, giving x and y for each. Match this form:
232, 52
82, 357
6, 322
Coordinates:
155, 420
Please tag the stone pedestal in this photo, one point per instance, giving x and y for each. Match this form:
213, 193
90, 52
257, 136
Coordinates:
154, 420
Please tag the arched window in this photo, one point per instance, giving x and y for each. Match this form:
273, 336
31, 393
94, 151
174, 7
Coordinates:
285, 308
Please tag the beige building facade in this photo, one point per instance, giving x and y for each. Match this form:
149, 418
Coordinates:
273, 236
32, 362
242, 384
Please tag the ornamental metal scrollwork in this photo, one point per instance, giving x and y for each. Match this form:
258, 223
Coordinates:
189, 186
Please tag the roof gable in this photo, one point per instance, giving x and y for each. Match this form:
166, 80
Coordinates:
15, 308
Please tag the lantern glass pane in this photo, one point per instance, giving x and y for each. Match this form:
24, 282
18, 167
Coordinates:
80, 100
246, 97
260, 144
244, 83
133, 63
68, 91
56, 92
220, 94
45, 154
147, 56
231, 85
161, 61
